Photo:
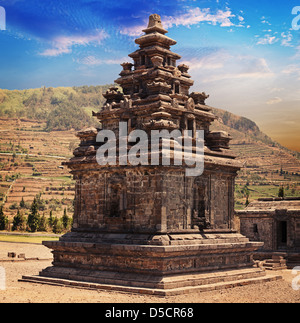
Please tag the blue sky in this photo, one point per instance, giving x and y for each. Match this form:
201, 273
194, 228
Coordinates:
245, 54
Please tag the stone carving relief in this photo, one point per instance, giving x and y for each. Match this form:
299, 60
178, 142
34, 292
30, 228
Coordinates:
175, 103
190, 104
157, 61
126, 103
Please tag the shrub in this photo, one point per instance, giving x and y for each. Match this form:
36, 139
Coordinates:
43, 224
281, 192
57, 225
14, 206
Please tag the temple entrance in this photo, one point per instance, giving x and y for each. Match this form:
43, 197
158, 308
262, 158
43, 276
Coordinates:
200, 216
281, 234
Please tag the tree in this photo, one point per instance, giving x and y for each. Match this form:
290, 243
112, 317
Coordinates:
22, 203
65, 219
51, 220
43, 223
3, 219
19, 221
41, 204
281, 192
245, 191
33, 220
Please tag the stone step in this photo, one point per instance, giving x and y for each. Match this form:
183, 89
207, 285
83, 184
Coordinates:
151, 280
151, 291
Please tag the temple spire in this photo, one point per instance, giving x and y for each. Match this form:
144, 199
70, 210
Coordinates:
155, 25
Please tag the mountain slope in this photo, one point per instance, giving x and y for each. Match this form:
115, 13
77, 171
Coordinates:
63, 108
69, 108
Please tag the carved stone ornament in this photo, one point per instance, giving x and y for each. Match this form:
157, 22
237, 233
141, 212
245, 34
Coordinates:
183, 68
155, 20
157, 61
126, 103
175, 103
190, 104
176, 72
199, 97
127, 66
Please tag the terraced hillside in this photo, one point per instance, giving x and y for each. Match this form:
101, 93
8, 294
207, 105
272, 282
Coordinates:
30, 166
267, 165
31, 150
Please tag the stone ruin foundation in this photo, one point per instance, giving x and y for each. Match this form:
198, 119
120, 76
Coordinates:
276, 223
152, 229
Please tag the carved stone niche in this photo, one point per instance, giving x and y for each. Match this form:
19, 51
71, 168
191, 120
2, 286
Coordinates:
115, 204
126, 103
157, 61
86, 135
113, 95
127, 68
158, 86
183, 68
190, 104
87, 142
218, 140
199, 98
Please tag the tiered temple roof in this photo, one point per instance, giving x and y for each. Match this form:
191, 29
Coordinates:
156, 92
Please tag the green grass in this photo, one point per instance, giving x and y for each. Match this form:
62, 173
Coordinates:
26, 238
261, 191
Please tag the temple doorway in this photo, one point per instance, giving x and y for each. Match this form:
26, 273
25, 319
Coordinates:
282, 234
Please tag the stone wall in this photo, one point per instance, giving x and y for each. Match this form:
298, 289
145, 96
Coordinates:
259, 229
149, 199
274, 222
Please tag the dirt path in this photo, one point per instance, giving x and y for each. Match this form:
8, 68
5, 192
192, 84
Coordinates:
278, 291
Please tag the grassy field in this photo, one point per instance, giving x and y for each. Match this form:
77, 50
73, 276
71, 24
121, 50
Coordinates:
26, 238
261, 191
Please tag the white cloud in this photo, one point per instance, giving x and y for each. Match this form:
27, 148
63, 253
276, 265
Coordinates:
196, 15
264, 21
94, 61
64, 44
287, 38
297, 55
242, 67
133, 31
292, 70
267, 40
275, 100
191, 17
228, 66
209, 62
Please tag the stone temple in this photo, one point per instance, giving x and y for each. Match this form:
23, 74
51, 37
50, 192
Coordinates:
151, 228
276, 223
